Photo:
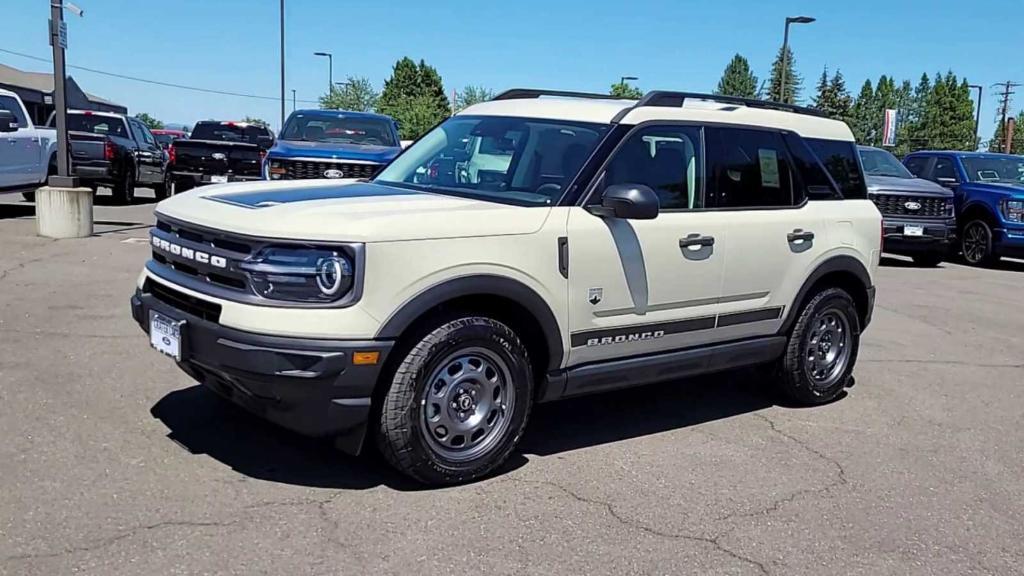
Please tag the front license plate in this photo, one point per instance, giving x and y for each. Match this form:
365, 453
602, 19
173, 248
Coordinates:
913, 231
165, 334
218, 179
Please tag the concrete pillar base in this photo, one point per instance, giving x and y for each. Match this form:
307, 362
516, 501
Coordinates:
64, 212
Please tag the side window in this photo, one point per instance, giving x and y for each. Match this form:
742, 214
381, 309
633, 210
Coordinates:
917, 165
749, 169
136, 129
944, 169
147, 136
665, 158
11, 105
841, 160
817, 184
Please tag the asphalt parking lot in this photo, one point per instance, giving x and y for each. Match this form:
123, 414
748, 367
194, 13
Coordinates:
114, 462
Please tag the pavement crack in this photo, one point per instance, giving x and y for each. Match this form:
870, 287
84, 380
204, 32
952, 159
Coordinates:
110, 541
19, 266
714, 541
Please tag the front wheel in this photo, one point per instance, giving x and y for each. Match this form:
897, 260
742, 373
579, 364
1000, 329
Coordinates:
163, 189
124, 190
976, 244
458, 402
822, 349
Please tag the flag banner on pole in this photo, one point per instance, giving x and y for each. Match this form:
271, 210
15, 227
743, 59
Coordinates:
889, 129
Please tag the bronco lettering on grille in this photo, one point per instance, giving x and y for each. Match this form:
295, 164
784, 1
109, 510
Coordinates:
189, 253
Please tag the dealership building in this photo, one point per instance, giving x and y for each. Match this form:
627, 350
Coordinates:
36, 91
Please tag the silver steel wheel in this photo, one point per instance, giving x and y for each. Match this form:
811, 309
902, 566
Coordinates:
976, 242
828, 348
467, 404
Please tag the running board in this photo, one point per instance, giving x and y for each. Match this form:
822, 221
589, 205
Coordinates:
649, 369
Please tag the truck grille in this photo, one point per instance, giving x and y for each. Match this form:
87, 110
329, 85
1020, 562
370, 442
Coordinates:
193, 251
896, 205
180, 301
309, 169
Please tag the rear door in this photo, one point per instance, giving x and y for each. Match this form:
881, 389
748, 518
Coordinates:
775, 235
640, 286
145, 156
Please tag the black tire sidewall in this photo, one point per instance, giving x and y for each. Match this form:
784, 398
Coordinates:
402, 432
987, 257
793, 380
124, 191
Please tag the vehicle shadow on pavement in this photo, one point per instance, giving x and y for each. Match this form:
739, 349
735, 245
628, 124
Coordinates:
202, 423
611, 417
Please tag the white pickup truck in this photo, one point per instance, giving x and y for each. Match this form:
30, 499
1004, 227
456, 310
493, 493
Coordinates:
27, 153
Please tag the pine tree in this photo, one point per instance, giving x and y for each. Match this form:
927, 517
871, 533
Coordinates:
841, 96
947, 121
737, 79
414, 96
911, 125
861, 115
794, 81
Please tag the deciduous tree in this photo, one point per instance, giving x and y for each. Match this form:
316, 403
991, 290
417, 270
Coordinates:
355, 94
414, 96
149, 121
472, 95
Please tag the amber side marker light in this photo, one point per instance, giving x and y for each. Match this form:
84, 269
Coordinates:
365, 358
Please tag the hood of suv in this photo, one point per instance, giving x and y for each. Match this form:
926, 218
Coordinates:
915, 186
1001, 188
333, 151
337, 211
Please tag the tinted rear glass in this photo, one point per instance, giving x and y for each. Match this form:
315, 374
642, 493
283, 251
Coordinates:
841, 160
95, 124
228, 132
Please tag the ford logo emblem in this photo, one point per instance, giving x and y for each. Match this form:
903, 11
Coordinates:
219, 156
332, 173
912, 205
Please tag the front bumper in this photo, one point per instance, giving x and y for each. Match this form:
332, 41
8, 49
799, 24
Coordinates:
937, 235
305, 385
95, 174
1009, 242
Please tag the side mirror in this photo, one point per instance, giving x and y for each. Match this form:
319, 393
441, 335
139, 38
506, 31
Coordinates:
8, 123
947, 182
629, 202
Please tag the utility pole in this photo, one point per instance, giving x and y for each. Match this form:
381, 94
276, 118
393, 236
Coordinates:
59, 41
293, 100
785, 52
977, 119
282, 63
1004, 111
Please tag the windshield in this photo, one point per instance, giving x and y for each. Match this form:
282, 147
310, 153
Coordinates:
340, 129
881, 163
103, 125
231, 132
515, 160
1004, 169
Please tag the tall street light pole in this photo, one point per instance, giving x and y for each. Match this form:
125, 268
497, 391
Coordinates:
785, 52
293, 99
330, 69
282, 64
625, 78
59, 41
977, 118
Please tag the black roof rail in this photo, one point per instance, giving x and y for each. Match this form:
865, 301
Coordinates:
528, 93
676, 99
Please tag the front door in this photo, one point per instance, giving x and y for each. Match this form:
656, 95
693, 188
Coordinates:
19, 151
640, 286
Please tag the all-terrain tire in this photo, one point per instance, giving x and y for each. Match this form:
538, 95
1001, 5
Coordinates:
426, 383
796, 374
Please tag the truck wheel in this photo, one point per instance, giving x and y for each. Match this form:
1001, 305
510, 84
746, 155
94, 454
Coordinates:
822, 349
124, 191
928, 260
163, 189
976, 244
458, 402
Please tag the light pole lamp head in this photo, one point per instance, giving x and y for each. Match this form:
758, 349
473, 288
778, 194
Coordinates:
799, 20
74, 9
320, 54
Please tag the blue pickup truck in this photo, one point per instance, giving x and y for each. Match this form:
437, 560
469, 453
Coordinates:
989, 198
332, 144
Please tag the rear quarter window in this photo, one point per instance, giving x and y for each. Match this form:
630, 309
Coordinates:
841, 160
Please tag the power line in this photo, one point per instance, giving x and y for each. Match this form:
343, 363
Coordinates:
154, 82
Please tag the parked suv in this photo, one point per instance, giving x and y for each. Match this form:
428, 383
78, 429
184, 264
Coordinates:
989, 198
332, 144
917, 214
625, 242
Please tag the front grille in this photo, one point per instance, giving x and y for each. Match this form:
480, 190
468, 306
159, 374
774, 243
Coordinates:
896, 205
180, 301
189, 241
308, 169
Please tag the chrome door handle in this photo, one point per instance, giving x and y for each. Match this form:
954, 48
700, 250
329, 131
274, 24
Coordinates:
696, 240
799, 235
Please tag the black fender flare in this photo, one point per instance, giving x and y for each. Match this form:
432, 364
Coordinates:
840, 263
480, 285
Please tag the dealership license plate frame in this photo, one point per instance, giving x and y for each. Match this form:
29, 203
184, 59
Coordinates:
218, 179
165, 334
911, 230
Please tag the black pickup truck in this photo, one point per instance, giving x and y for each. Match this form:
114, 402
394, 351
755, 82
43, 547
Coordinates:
219, 152
116, 151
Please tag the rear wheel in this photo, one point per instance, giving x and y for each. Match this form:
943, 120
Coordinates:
124, 190
928, 260
163, 189
976, 244
183, 185
822, 349
458, 402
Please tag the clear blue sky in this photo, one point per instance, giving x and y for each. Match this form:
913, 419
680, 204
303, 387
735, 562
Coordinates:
569, 44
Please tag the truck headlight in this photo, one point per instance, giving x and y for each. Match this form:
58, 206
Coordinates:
950, 208
300, 274
275, 169
1013, 210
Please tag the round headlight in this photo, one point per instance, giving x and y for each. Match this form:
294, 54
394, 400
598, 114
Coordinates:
332, 274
